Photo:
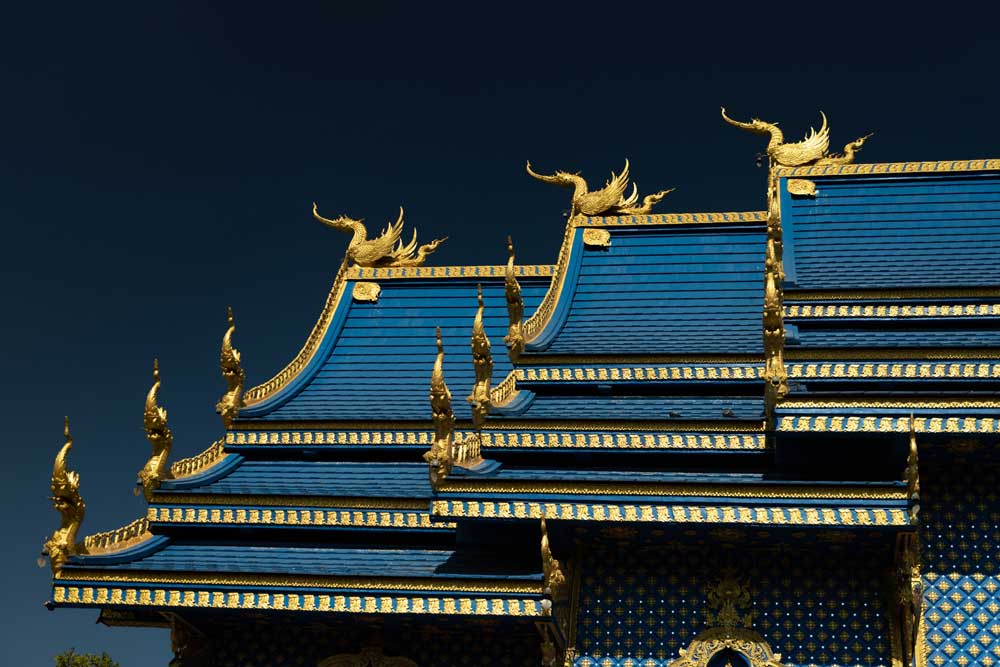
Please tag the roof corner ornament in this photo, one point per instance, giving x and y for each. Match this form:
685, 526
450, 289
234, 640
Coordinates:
439, 457
482, 359
69, 503
912, 473
515, 307
609, 200
230, 403
387, 249
158, 433
553, 577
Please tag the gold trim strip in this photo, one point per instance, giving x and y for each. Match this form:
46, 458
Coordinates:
872, 424
639, 373
215, 453
794, 404
890, 168
772, 491
361, 604
916, 310
368, 518
293, 581
683, 514
619, 359
113, 541
660, 219
540, 318
393, 272
926, 370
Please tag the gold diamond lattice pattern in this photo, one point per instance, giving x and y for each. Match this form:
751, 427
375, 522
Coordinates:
814, 607
961, 547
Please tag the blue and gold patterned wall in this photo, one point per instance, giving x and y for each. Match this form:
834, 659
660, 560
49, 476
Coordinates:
961, 547
817, 606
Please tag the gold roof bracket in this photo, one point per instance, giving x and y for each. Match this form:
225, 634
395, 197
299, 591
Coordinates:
230, 403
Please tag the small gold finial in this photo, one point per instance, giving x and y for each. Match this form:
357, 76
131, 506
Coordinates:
440, 457
515, 307
230, 403
482, 360
69, 503
387, 249
159, 436
554, 580
609, 200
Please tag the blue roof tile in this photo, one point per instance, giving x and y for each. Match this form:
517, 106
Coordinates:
622, 408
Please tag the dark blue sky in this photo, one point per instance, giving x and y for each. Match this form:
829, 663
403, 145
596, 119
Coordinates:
159, 161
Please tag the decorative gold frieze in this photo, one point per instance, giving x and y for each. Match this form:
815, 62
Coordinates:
356, 517
887, 424
595, 237
662, 219
802, 311
387, 249
229, 405
69, 503
366, 292
410, 272
160, 438
891, 168
610, 199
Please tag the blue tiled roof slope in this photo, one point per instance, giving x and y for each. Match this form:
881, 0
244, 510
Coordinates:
380, 364
665, 290
659, 408
893, 231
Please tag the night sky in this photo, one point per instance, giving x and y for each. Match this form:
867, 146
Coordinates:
159, 161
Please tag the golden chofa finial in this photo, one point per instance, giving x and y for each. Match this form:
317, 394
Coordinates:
68, 502
159, 436
482, 360
807, 151
515, 308
609, 200
554, 580
386, 249
229, 405
440, 457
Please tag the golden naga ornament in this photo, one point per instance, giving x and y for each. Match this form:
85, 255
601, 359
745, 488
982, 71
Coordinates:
609, 200
159, 436
387, 249
482, 359
439, 457
515, 308
68, 502
229, 405
553, 577
811, 150
912, 473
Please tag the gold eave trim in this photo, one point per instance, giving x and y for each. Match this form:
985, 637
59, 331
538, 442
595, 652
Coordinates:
912, 369
639, 373
120, 596
894, 424
799, 492
664, 219
331, 502
808, 311
891, 168
938, 403
528, 360
412, 519
407, 272
294, 581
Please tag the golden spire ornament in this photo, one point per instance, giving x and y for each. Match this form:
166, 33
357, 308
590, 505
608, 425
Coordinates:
160, 438
482, 359
515, 308
229, 405
439, 458
68, 502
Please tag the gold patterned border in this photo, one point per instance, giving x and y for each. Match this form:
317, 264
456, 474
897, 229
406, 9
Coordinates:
112, 541
361, 604
890, 168
631, 373
774, 516
543, 313
915, 310
659, 219
924, 369
872, 424
391, 272
773, 491
215, 453
938, 403
355, 518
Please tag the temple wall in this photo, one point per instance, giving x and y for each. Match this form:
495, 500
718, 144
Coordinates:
820, 605
961, 548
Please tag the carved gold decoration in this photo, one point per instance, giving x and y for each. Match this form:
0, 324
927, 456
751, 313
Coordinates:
411, 272
909, 591
552, 574
194, 464
160, 438
229, 405
891, 168
847, 157
912, 473
807, 151
880, 424
594, 237
893, 310
728, 595
515, 307
610, 199
482, 360
68, 502
119, 539
661, 219
801, 187
367, 657
386, 249
746, 642
439, 457
366, 292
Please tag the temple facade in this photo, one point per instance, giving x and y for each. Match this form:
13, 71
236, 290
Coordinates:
724, 439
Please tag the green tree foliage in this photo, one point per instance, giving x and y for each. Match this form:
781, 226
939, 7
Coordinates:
71, 658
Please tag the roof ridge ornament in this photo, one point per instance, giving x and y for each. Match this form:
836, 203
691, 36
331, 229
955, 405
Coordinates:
515, 307
439, 456
609, 200
387, 249
482, 360
69, 503
554, 580
230, 403
159, 436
